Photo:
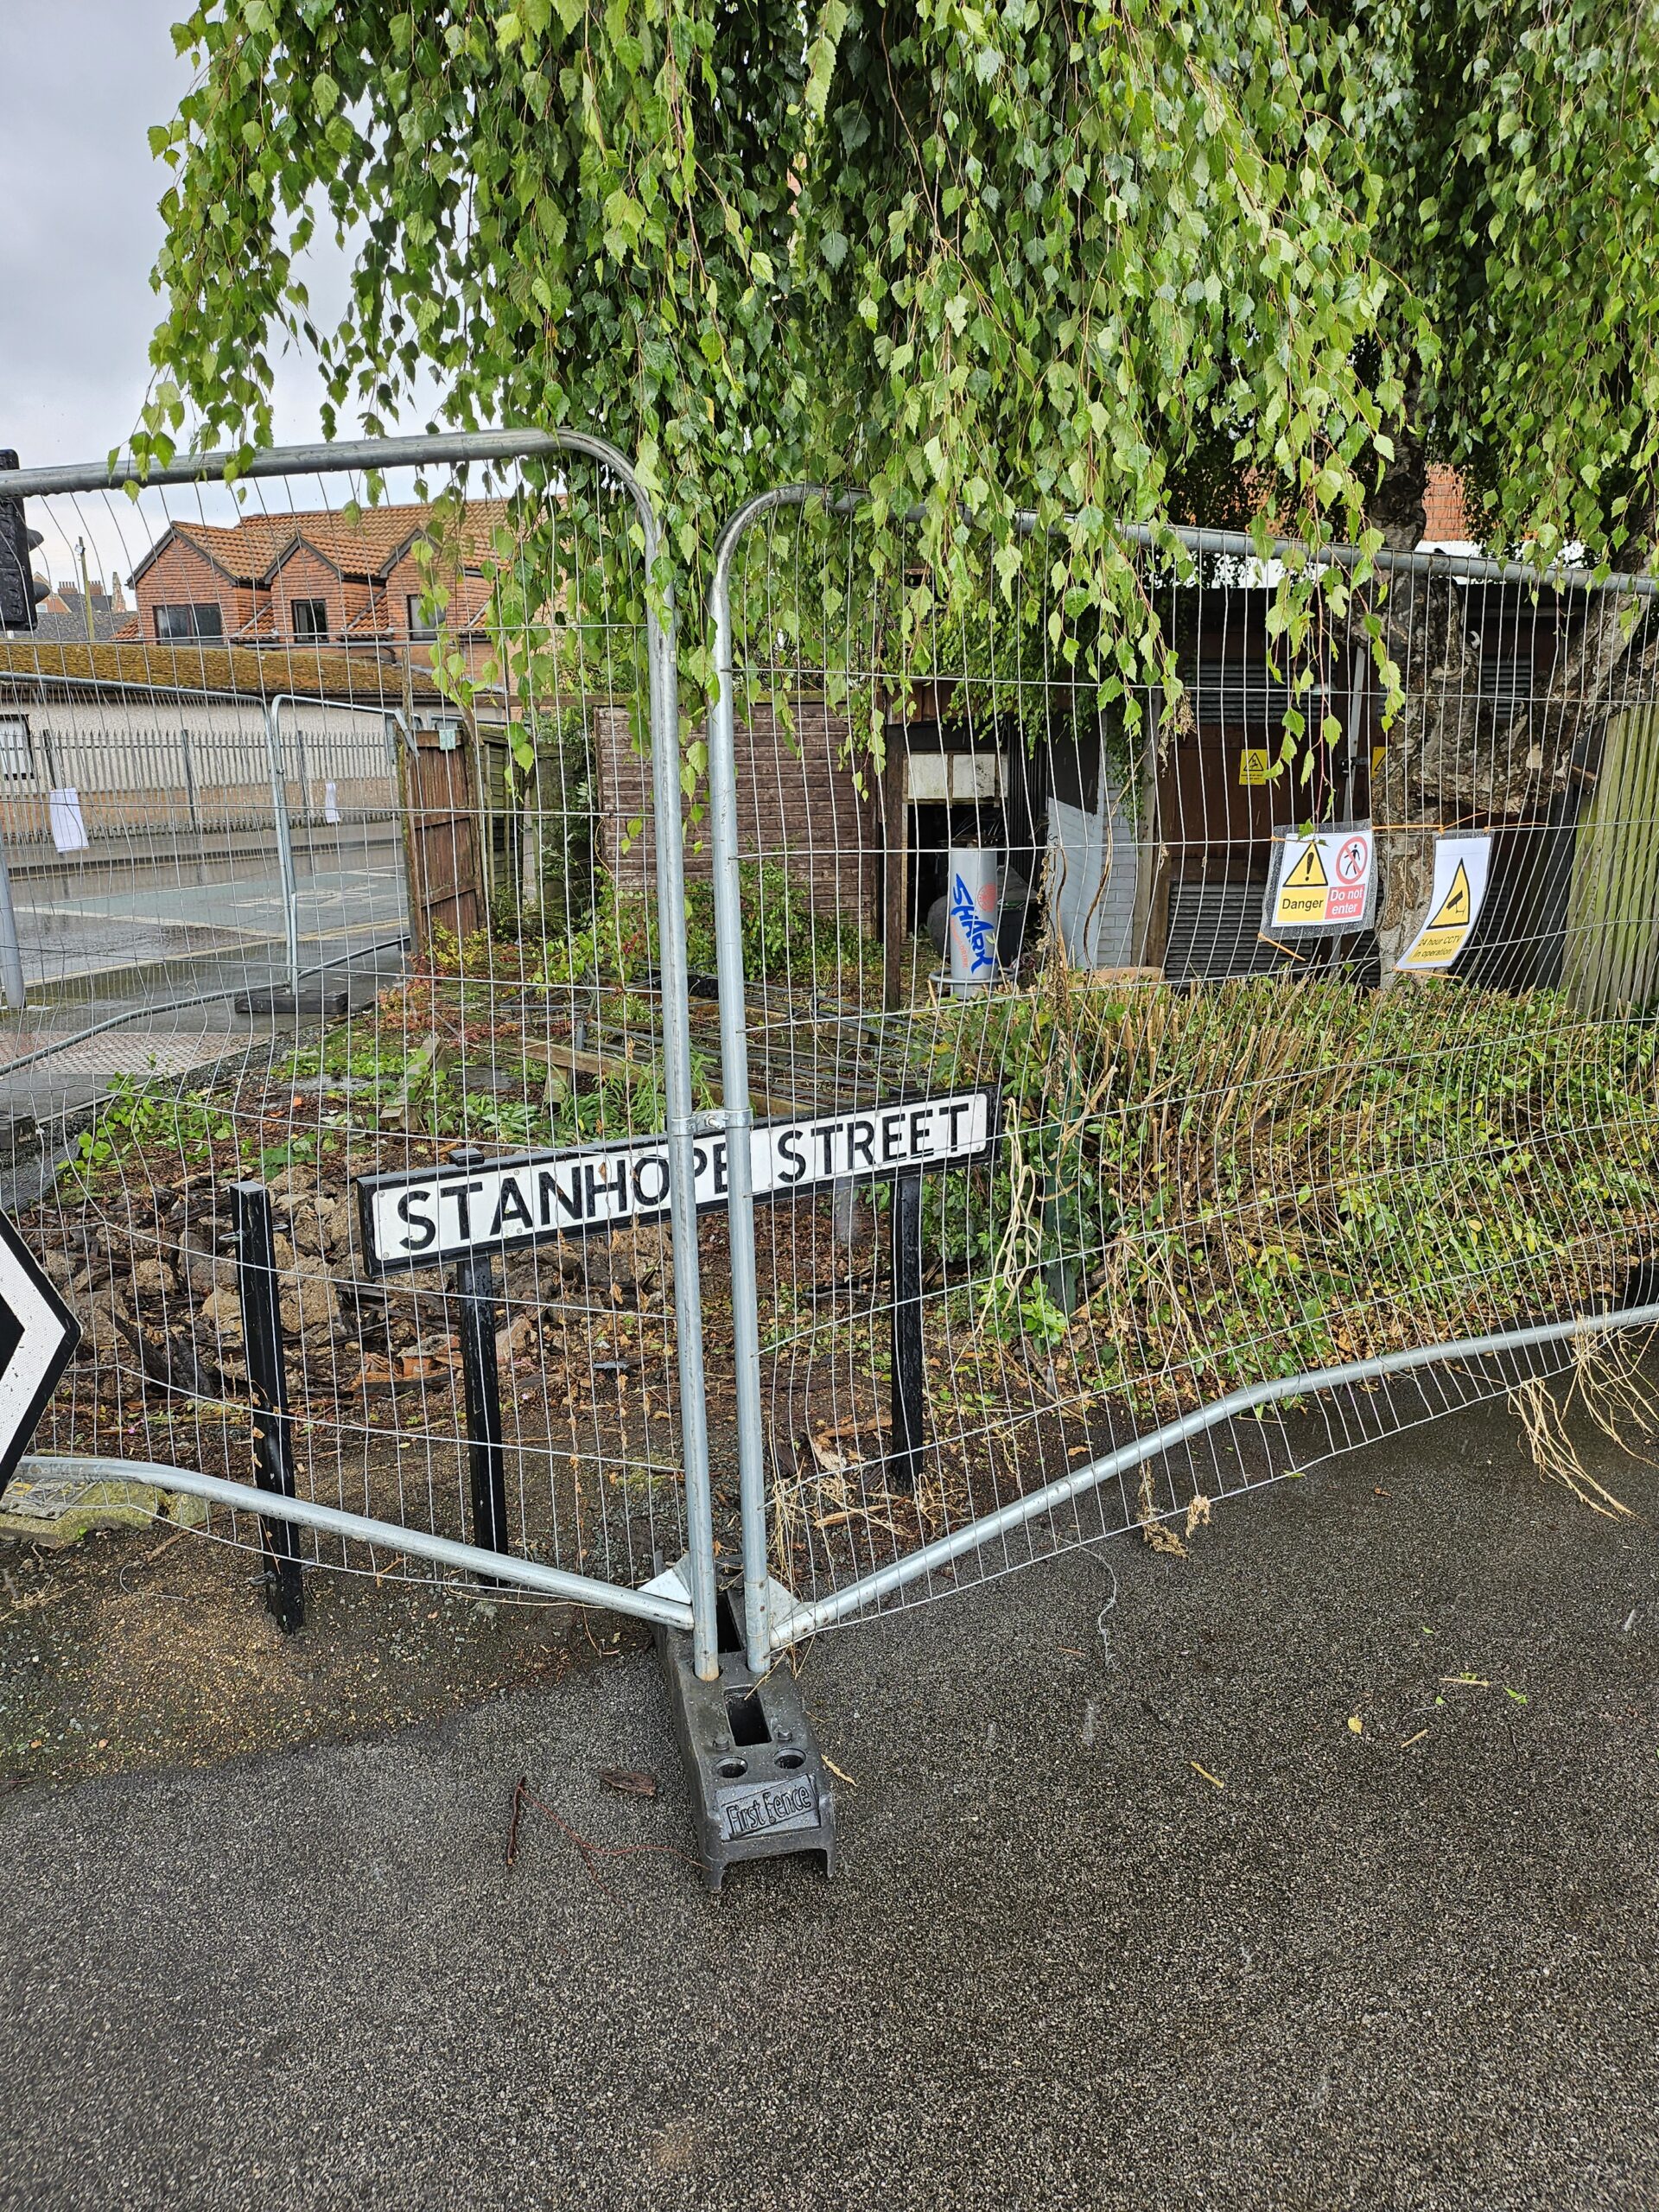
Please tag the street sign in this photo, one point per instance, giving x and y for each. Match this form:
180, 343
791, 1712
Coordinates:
38, 1336
1461, 865
422, 1218
1326, 880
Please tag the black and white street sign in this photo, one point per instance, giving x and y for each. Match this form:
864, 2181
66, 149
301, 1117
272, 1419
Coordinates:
38, 1336
421, 1218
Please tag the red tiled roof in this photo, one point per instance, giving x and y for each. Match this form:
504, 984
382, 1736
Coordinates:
249, 550
243, 550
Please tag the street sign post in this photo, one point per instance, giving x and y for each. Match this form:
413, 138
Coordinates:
470, 1208
38, 1336
424, 1218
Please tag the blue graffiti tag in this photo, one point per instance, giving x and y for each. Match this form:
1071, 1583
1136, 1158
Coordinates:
978, 934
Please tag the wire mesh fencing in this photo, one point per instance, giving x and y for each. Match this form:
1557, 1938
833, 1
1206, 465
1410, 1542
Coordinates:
1047, 1053
1309, 976
336, 863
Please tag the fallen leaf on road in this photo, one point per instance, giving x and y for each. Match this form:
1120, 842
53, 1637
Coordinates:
628, 1781
1356, 1725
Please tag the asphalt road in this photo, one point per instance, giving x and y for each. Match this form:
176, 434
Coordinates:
98, 922
1059, 1966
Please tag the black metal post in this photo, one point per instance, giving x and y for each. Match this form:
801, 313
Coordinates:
474, 1286
909, 1405
273, 1448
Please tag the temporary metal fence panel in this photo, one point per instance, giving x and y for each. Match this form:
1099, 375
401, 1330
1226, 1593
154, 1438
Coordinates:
1062, 1068
278, 772
1317, 1017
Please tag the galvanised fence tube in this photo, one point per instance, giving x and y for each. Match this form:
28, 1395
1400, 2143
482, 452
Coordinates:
856, 1597
357, 1528
454, 448
672, 967
285, 843
446, 448
626, 1523
11, 959
734, 1078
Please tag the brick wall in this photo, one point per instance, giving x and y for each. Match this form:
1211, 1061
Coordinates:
304, 575
1447, 520
182, 576
403, 578
797, 806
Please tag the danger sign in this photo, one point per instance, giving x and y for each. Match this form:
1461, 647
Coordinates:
1461, 867
1326, 880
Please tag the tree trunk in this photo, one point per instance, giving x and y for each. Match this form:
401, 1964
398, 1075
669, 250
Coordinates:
1451, 756
1405, 854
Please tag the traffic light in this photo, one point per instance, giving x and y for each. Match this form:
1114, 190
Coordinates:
19, 592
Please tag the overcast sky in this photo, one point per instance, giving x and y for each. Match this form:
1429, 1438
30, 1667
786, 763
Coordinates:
81, 81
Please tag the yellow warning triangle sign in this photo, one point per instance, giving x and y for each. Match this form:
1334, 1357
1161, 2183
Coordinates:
1453, 912
1308, 874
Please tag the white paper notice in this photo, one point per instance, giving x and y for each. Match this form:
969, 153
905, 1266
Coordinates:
331, 802
68, 827
1461, 870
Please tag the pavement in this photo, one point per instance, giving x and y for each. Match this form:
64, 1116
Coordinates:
1326, 1879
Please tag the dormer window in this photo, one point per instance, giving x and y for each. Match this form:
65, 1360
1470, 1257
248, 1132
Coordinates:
199, 620
310, 619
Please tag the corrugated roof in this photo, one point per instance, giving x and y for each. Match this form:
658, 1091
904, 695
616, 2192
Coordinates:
365, 677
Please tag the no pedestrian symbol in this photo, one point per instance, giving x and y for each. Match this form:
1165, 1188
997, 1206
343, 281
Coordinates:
1326, 880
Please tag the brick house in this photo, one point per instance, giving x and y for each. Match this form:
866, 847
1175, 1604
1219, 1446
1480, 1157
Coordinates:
308, 580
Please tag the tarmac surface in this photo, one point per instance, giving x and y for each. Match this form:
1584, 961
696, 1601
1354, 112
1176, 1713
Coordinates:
1329, 1880
92, 922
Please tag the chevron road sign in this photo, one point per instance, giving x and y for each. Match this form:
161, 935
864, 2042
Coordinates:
38, 1336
